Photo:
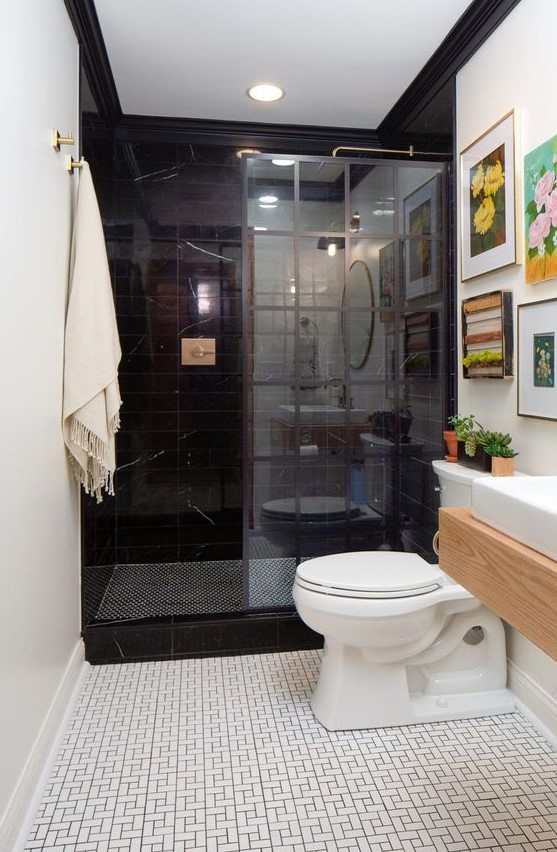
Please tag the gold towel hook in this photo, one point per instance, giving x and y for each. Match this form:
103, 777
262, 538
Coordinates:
56, 140
72, 164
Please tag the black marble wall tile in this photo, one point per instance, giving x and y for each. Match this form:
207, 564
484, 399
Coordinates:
128, 644
258, 633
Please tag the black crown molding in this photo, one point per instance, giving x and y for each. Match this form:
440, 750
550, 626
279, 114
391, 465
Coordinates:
468, 34
298, 138
83, 16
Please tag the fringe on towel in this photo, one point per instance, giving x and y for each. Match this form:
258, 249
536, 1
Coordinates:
98, 474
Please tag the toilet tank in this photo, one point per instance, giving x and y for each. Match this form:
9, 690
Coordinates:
455, 482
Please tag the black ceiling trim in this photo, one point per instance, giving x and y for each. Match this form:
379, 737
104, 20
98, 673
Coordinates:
249, 134
83, 16
469, 33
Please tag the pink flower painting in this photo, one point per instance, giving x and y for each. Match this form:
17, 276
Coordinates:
540, 211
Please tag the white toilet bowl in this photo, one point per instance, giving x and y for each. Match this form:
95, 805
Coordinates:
395, 651
321, 522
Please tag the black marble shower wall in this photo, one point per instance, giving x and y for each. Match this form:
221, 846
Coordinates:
162, 559
173, 236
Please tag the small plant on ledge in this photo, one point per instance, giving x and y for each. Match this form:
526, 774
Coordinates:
477, 447
481, 438
502, 458
500, 451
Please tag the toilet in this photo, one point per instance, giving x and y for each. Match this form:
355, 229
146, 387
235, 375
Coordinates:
404, 643
320, 522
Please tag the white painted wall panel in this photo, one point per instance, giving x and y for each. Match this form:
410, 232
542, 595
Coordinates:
39, 558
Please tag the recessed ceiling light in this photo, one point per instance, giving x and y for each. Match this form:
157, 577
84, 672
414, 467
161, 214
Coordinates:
265, 92
268, 199
283, 162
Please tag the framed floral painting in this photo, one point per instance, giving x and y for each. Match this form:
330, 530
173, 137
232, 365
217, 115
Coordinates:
540, 211
387, 281
488, 226
537, 334
421, 269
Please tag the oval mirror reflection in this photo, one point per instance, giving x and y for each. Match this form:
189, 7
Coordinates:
357, 320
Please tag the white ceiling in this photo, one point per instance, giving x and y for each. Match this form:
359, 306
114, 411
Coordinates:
342, 65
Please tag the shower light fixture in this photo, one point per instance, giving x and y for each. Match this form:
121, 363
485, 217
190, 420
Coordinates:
265, 92
355, 224
283, 162
268, 199
330, 244
242, 151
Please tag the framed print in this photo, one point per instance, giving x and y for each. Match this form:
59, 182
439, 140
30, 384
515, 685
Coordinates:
421, 210
540, 212
537, 331
387, 281
488, 226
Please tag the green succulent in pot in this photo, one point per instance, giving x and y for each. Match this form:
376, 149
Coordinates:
500, 450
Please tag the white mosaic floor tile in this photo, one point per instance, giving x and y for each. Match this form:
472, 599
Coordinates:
224, 755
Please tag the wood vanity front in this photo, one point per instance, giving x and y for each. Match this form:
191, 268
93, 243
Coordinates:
516, 582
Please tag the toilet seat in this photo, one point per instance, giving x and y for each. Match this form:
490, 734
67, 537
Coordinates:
312, 509
370, 575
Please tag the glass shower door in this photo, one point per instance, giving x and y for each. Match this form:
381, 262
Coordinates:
343, 300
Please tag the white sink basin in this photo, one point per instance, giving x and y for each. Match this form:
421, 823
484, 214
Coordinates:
525, 508
320, 414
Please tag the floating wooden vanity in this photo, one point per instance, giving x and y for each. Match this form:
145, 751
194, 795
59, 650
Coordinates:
516, 582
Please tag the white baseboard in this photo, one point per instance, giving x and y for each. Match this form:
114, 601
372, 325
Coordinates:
19, 815
533, 701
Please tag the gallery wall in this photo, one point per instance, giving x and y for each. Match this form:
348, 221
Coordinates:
514, 70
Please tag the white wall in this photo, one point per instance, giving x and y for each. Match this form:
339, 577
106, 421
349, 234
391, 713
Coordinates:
39, 562
515, 69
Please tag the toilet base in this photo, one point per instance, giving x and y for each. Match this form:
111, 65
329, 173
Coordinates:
448, 680
416, 710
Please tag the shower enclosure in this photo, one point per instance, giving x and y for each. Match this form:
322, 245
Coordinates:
344, 288
323, 283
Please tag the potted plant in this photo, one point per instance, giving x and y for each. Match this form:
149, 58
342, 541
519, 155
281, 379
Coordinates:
462, 427
502, 458
393, 425
474, 449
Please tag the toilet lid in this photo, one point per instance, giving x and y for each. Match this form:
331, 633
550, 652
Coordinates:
370, 574
311, 509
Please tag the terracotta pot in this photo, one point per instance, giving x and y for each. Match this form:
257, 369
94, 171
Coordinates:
451, 441
501, 466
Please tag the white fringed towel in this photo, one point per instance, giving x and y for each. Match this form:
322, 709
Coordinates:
92, 351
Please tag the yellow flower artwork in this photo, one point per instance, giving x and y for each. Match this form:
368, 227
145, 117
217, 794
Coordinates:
487, 202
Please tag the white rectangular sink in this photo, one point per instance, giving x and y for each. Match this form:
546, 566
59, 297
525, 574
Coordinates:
525, 508
320, 414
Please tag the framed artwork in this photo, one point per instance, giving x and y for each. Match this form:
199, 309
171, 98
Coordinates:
420, 257
487, 336
537, 330
488, 227
540, 212
420, 345
387, 281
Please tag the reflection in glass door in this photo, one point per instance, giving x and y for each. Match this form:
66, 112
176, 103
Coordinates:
344, 299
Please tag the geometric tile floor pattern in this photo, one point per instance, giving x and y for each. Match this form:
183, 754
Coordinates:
223, 754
